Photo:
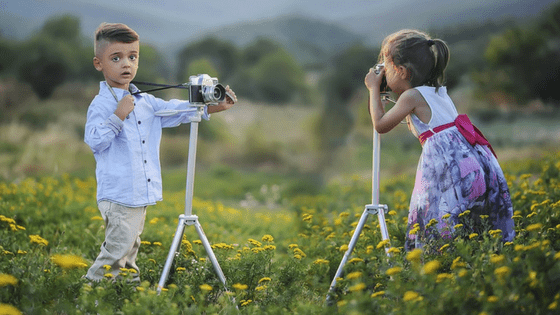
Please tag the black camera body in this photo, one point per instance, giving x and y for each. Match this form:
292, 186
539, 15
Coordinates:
205, 90
383, 88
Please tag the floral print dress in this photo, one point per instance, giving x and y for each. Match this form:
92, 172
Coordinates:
452, 177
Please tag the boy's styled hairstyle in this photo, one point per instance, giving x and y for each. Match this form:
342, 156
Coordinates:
113, 32
425, 58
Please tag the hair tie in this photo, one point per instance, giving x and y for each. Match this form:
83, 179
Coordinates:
430, 42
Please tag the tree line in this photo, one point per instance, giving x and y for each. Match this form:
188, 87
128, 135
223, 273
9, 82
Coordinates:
521, 61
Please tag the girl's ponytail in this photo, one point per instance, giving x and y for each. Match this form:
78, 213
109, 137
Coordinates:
441, 58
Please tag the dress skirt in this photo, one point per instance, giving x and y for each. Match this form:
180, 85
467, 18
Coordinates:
454, 176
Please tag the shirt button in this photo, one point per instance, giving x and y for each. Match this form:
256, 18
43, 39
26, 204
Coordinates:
143, 141
139, 122
145, 161
149, 180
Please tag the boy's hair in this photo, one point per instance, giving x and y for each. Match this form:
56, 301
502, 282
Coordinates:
113, 32
425, 58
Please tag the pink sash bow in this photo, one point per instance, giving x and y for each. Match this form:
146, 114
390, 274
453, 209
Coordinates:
465, 127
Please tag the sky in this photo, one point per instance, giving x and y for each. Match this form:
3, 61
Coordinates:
162, 21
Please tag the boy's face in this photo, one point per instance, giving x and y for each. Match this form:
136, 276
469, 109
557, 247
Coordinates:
118, 62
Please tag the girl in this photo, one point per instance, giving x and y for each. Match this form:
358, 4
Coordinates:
458, 170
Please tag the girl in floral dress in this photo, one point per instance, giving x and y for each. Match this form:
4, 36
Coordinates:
458, 170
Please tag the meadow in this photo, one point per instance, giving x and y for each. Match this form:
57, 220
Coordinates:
280, 254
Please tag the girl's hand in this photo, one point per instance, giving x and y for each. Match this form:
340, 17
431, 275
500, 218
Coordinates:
373, 80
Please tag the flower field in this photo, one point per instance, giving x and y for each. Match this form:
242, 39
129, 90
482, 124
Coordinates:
282, 260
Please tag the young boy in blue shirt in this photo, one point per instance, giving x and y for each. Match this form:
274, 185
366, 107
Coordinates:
124, 135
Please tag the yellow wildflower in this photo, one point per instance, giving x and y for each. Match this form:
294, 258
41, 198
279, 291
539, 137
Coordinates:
473, 235
267, 238
108, 275
466, 212
354, 275
376, 294
264, 279
6, 279
343, 248
458, 226
96, 218
181, 269
393, 271
496, 259
36, 239
394, 250
446, 216
239, 286
157, 244
382, 244
261, 288
245, 302
411, 296
534, 227
320, 261
197, 242
353, 260
442, 276
205, 287
69, 261
9, 309
358, 287
502, 271
414, 255
443, 247
553, 305
431, 267
292, 246
492, 299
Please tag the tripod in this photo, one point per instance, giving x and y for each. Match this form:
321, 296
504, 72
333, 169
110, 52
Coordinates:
373, 208
188, 218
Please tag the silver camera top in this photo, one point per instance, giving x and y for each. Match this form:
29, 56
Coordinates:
205, 90
378, 67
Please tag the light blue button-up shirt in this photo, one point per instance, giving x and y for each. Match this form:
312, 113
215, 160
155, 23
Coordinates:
128, 169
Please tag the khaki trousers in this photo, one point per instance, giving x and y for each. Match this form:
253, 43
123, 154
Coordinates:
123, 226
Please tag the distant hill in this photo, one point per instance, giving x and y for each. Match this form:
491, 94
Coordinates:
309, 40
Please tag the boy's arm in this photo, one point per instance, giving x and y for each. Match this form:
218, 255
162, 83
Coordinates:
102, 126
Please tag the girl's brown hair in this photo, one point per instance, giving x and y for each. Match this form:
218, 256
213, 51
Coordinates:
424, 58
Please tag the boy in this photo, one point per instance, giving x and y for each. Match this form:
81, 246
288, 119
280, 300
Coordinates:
124, 135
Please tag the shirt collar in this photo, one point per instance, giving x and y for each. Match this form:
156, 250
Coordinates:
120, 93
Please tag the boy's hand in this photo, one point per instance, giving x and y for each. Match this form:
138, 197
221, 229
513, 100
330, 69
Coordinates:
227, 103
125, 106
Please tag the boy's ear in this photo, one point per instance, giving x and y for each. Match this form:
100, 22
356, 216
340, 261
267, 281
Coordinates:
97, 64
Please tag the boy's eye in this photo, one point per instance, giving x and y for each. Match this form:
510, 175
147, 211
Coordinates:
116, 58
133, 57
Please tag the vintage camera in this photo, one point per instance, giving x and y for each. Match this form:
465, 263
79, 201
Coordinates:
206, 90
383, 88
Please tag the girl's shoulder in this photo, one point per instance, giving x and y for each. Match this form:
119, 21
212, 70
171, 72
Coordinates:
413, 98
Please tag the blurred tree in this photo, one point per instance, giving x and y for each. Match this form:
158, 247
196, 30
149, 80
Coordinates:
278, 78
201, 66
221, 54
152, 67
8, 54
524, 62
269, 73
56, 53
346, 76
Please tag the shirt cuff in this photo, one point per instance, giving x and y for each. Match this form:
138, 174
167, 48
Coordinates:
206, 116
115, 123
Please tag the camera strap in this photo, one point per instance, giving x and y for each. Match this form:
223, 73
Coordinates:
160, 86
